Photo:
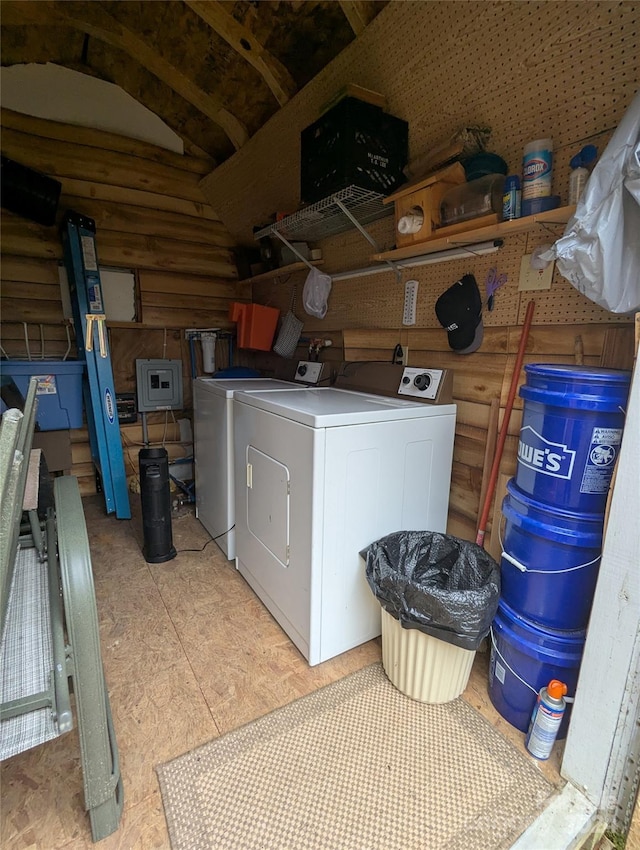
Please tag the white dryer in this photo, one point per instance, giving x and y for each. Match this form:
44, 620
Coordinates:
321, 474
213, 451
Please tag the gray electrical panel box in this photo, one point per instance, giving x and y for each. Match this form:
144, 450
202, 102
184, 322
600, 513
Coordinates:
159, 385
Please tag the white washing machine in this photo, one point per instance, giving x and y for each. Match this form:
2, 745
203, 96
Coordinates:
213, 451
321, 474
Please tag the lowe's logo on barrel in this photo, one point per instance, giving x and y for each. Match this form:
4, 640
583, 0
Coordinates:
544, 456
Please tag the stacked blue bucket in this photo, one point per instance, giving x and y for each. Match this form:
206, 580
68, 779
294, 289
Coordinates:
571, 432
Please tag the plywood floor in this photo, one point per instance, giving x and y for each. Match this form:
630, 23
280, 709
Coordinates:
189, 654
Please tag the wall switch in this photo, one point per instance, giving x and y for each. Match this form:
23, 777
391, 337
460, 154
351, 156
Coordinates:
532, 279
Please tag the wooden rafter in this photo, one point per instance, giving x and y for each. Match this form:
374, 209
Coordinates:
106, 28
359, 13
247, 45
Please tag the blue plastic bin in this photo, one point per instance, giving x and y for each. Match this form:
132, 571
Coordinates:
59, 392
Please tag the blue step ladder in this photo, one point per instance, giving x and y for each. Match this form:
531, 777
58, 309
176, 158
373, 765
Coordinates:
81, 261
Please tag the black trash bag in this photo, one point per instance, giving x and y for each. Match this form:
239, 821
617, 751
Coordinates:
443, 586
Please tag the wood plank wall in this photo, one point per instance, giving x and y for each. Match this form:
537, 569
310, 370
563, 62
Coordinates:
484, 376
151, 218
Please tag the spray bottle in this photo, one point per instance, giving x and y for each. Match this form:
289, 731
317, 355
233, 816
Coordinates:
580, 173
546, 719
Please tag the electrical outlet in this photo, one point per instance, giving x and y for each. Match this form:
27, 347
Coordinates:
534, 279
308, 372
404, 355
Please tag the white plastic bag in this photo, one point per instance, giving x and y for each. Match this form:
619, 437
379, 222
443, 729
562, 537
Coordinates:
316, 291
599, 252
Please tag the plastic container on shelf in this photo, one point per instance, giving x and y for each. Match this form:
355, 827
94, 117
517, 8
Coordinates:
580, 172
472, 200
537, 169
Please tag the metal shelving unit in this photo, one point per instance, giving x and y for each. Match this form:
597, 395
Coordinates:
350, 207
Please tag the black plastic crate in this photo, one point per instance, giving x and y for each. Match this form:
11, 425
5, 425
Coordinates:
354, 143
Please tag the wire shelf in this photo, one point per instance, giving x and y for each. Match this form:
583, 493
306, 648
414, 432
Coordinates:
325, 218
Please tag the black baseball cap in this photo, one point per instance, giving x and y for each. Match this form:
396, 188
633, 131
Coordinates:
459, 310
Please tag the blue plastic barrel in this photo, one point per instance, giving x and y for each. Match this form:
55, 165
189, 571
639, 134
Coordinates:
550, 561
524, 658
571, 433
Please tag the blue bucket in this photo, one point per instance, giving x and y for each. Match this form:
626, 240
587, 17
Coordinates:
524, 658
550, 561
571, 433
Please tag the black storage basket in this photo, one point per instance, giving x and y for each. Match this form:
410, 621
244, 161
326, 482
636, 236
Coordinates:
355, 143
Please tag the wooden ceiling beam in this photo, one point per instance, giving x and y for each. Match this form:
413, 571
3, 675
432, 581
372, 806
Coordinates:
103, 26
359, 13
244, 42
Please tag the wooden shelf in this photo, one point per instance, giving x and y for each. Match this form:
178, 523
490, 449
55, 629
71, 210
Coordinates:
561, 215
283, 271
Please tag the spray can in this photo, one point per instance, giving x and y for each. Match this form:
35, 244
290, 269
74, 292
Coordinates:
511, 198
546, 719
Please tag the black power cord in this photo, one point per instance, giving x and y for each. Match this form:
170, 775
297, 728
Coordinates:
217, 537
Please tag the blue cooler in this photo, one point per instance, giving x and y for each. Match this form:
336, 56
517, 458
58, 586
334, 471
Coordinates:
59, 392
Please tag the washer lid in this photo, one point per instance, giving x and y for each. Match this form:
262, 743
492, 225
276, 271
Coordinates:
327, 407
227, 387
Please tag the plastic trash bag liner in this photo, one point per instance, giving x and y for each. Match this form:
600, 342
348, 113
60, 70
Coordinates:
315, 294
599, 252
445, 587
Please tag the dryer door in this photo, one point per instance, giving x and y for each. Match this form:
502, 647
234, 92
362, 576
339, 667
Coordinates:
268, 494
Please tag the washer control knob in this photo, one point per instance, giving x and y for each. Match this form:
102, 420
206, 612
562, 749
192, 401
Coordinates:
406, 380
422, 381
302, 369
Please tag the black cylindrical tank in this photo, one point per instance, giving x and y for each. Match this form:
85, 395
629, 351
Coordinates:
156, 506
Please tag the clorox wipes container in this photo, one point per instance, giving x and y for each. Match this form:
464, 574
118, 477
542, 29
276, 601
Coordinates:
537, 169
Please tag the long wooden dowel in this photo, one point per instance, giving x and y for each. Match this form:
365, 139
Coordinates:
482, 525
489, 451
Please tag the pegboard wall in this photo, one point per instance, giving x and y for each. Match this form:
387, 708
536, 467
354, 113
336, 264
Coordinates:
528, 70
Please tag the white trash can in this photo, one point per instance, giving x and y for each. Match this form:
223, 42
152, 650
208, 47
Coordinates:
423, 667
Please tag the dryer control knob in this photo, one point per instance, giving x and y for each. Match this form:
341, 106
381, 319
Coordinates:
302, 369
422, 381
406, 380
